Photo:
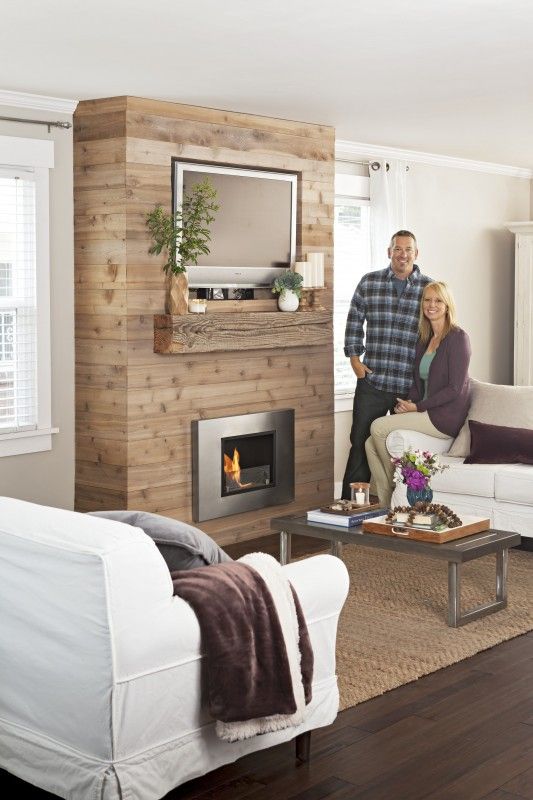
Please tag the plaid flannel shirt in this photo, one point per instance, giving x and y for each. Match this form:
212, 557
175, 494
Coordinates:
391, 328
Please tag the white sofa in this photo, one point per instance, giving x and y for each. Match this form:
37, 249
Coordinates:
501, 492
100, 690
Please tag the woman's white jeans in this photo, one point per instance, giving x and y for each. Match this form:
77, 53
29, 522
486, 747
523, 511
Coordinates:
379, 459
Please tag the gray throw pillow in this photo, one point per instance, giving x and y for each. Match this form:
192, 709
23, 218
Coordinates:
182, 546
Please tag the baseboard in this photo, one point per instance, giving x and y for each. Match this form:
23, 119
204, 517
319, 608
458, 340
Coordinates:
527, 544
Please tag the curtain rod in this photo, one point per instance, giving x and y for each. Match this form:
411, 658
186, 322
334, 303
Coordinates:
374, 165
48, 123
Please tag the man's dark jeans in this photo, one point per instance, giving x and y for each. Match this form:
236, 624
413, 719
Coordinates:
368, 404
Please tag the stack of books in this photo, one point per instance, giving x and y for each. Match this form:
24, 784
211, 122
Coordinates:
345, 520
427, 521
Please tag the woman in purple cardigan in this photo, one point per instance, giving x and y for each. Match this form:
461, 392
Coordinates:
438, 400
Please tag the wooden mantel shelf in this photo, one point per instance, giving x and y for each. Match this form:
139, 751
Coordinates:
212, 332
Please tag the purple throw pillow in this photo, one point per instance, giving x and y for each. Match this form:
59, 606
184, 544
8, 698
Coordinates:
498, 444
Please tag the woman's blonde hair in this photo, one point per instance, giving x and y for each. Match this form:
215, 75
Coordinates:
443, 293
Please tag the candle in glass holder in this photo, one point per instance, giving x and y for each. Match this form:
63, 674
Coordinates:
360, 493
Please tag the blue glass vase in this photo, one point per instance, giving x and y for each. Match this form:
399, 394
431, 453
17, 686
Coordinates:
414, 495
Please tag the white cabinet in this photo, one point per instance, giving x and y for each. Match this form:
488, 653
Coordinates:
523, 307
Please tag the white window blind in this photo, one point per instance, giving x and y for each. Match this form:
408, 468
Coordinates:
18, 302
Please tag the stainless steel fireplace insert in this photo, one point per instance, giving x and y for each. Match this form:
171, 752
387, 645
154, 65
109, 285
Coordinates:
242, 463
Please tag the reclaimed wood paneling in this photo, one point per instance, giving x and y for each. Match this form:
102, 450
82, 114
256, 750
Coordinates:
212, 332
135, 407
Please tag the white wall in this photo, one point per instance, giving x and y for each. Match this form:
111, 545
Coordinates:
49, 477
459, 219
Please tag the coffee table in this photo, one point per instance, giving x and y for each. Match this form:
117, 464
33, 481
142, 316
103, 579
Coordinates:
456, 553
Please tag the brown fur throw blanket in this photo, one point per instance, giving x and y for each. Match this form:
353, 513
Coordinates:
258, 656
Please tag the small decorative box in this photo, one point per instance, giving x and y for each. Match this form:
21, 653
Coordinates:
197, 306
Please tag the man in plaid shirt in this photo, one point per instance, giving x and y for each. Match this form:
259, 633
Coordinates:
388, 300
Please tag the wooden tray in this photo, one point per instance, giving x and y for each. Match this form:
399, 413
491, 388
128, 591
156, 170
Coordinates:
372, 506
354, 510
470, 525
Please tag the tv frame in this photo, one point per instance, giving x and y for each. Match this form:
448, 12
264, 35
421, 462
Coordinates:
226, 276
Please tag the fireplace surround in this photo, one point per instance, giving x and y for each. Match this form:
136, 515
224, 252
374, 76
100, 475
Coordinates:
242, 463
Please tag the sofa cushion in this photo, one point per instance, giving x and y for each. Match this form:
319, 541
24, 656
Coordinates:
495, 405
461, 478
182, 546
499, 444
514, 484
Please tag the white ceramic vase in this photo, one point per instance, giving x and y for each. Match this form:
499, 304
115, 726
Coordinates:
288, 300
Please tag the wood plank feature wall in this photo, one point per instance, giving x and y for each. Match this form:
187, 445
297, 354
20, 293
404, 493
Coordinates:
134, 406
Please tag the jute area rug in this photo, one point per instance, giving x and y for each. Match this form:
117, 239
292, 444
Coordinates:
393, 628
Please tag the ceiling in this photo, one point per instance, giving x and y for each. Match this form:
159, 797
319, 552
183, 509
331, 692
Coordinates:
453, 77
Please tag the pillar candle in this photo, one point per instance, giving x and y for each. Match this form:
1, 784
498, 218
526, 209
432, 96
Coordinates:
317, 262
302, 268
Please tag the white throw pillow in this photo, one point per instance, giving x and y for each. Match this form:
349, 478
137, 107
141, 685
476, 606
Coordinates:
400, 440
495, 405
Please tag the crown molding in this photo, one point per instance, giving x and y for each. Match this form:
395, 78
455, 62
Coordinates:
37, 102
520, 228
352, 150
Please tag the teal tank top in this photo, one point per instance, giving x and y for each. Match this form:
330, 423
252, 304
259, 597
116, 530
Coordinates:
425, 364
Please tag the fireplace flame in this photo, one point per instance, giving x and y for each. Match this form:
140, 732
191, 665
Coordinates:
232, 468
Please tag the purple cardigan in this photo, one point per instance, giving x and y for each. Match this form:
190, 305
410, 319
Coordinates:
448, 397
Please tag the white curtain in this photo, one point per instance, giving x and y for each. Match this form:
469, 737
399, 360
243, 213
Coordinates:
388, 185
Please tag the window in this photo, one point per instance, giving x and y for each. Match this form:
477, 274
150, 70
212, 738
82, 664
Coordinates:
6, 280
25, 403
7, 369
352, 260
18, 310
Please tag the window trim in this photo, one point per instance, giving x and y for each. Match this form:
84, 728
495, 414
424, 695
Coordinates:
349, 190
36, 155
343, 402
356, 187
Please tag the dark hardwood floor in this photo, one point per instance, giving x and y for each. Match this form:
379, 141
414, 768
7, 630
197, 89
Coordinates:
462, 733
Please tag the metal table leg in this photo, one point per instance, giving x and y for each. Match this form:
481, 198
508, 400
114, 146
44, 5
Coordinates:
454, 593
336, 549
455, 617
284, 547
502, 564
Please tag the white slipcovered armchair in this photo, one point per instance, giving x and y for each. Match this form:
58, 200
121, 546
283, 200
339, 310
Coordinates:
100, 689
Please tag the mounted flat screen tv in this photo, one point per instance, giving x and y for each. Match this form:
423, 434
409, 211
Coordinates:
253, 236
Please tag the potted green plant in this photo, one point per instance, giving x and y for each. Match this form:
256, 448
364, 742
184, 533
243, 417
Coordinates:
288, 286
182, 237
